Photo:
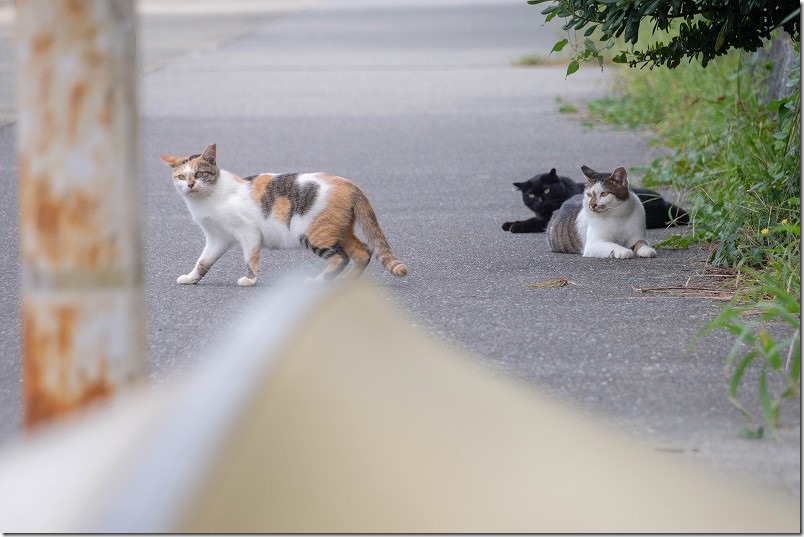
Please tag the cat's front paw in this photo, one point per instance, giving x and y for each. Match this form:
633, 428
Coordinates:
622, 253
518, 227
507, 225
643, 249
245, 281
187, 279
646, 251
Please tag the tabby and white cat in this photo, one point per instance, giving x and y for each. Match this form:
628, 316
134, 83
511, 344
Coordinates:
311, 210
607, 220
544, 193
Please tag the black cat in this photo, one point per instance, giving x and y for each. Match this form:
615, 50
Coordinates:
544, 194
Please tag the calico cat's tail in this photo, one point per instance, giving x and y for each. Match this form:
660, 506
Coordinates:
364, 214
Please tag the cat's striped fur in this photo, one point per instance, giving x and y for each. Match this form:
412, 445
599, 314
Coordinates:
562, 232
317, 211
607, 220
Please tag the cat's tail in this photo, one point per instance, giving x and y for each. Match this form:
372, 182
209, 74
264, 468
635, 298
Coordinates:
364, 214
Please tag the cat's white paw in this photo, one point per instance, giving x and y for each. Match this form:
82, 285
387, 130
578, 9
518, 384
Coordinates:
622, 253
245, 281
186, 279
314, 281
646, 251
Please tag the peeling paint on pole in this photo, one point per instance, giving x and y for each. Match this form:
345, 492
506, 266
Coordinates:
83, 320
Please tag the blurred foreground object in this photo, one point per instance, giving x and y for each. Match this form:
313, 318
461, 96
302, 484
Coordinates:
322, 410
78, 153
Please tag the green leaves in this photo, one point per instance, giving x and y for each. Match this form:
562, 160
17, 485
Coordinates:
587, 52
558, 47
620, 58
703, 29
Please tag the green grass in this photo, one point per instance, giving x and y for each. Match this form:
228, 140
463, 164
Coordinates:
735, 159
778, 360
530, 60
537, 60
565, 108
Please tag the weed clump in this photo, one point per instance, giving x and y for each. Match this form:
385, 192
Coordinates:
734, 155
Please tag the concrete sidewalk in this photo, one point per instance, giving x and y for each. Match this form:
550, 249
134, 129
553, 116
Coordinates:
168, 31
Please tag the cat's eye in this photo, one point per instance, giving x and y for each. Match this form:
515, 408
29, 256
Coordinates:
546, 190
200, 175
180, 177
604, 194
589, 194
531, 195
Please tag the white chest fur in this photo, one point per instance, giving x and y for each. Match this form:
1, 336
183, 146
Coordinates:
612, 232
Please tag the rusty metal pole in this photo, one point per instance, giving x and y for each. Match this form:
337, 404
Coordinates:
82, 307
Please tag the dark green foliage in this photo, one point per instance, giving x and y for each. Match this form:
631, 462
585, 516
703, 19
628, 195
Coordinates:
699, 29
736, 159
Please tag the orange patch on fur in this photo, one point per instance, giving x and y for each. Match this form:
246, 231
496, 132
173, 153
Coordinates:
281, 210
356, 249
170, 160
254, 262
337, 219
258, 186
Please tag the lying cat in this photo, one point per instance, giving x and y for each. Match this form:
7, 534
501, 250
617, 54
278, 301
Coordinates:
545, 193
607, 220
311, 210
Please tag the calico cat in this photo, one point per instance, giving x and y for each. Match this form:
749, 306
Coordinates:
545, 193
607, 220
311, 210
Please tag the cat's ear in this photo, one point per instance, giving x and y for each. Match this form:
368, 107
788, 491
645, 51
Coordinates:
589, 173
551, 177
620, 176
170, 160
209, 154
519, 186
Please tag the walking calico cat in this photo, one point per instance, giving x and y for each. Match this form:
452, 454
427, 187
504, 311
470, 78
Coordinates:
607, 220
311, 210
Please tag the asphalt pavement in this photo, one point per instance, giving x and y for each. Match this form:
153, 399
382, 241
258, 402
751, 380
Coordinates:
419, 103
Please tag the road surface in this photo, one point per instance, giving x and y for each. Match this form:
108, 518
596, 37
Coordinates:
419, 103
